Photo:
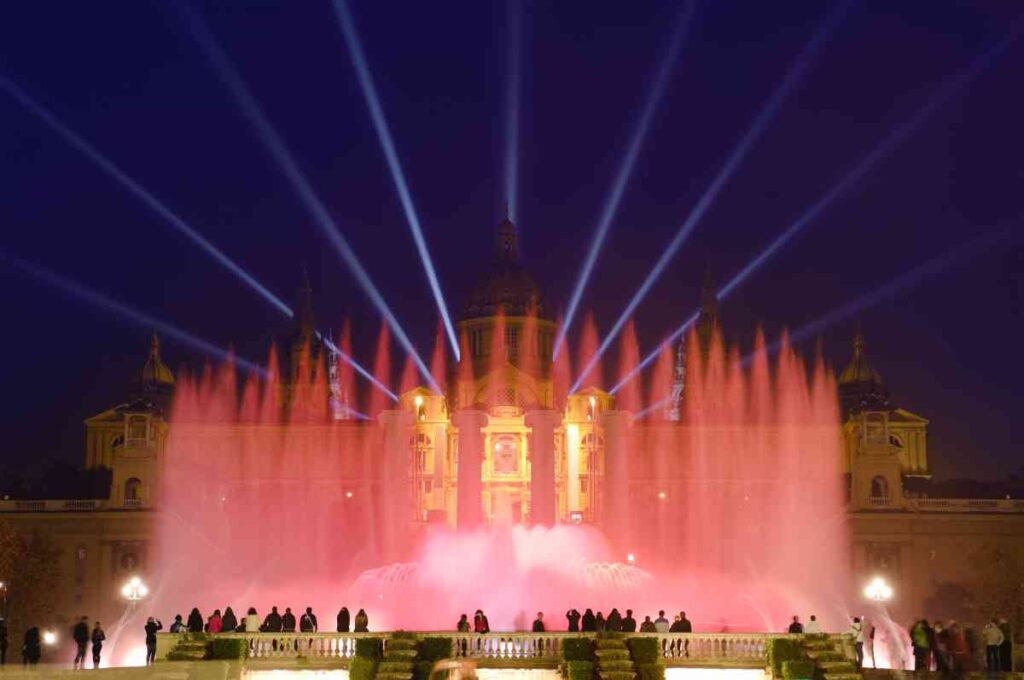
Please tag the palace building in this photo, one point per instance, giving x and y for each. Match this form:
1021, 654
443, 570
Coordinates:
502, 446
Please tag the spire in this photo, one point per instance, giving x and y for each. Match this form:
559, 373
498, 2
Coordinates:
304, 305
156, 382
508, 246
860, 385
708, 318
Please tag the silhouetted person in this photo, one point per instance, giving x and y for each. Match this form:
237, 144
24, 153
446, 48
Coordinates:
614, 622
628, 623
178, 626
229, 622
857, 632
648, 626
538, 623
308, 624
677, 625
272, 624
30, 649
599, 622
588, 622
152, 626
463, 625
796, 628
288, 621
994, 639
1006, 649
195, 621
343, 620
215, 623
685, 627
98, 636
80, 634
480, 623
940, 647
921, 640
3, 641
362, 622
573, 617
252, 621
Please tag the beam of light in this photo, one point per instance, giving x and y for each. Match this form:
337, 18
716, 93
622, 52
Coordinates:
83, 292
380, 123
359, 369
643, 413
946, 91
108, 166
618, 188
676, 334
513, 85
908, 279
739, 152
300, 184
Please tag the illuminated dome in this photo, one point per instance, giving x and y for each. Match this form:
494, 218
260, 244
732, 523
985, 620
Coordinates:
506, 286
155, 373
860, 385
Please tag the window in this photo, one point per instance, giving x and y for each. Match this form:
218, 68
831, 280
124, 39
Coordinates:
138, 428
506, 454
896, 441
133, 491
880, 487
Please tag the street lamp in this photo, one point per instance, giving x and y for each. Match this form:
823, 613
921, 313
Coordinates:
631, 558
878, 590
134, 590
49, 638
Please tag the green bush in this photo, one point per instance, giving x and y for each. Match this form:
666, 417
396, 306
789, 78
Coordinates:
644, 650
578, 649
780, 650
362, 668
649, 671
435, 648
579, 670
802, 669
370, 648
610, 635
421, 671
403, 635
231, 648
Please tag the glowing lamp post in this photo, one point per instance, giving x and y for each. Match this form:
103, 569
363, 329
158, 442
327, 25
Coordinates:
631, 558
134, 590
878, 590
49, 638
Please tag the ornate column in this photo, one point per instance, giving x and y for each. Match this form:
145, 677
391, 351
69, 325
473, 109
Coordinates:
469, 508
542, 465
615, 507
396, 498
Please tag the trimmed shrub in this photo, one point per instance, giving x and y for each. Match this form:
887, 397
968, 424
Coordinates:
610, 635
422, 670
579, 670
370, 648
780, 650
578, 649
362, 668
650, 671
610, 643
644, 650
403, 635
802, 669
435, 648
231, 648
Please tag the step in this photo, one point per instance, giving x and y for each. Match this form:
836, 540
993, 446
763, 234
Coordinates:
846, 675
616, 675
612, 654
615, 665
610, 643
393, 676
837, 666
824, 654
392, 654
401, 643
387, 666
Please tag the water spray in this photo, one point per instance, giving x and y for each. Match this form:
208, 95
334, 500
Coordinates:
649, 359
103, 301
355, 50
108, 166
618, 188
739, 152
300, 184
359, 369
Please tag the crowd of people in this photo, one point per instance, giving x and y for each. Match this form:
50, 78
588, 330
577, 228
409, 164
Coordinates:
952, 647
273, 622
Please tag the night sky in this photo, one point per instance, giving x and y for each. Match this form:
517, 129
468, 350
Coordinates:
131, 79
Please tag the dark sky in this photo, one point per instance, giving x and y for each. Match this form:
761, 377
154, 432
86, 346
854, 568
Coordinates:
130, 78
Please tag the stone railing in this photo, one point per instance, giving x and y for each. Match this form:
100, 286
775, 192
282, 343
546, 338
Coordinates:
70, 505
965, 505
694, 649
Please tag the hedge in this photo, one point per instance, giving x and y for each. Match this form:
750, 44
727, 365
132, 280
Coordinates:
435, 648
362, 668
579, 670
649, 671
370, 648
780, 650
802, 669
578, 649
644, 650
422, 669
403, 635
230, 648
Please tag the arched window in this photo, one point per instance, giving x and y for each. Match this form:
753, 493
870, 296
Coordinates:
133, 491
880, 488
895, 441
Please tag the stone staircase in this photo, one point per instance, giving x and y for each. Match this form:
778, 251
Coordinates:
191, 647
399, 659
613, 660
830, 659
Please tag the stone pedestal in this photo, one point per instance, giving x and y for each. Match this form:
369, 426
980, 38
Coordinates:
469, 508
543, 506
615, 506
396, 501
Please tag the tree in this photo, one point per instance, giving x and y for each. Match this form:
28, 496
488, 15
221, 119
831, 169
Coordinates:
30, 567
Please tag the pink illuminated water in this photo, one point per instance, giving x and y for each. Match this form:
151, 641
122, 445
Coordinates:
735, 514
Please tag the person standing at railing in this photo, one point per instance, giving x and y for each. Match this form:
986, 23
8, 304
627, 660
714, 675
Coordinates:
628, 623
343, 620
480, 623
362, 622
599, 623
463, 625
573, 616
288, 621
796, 628
661, 623
614, 622
215, 623
308, 623
538, 623
252, 621
230, 622
195, 621
178, 626
813, 627
588, 622
648, 626
272, 624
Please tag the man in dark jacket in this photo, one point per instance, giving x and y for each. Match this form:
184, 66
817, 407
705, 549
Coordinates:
796, 628
629, 623
30, 649
589, 622
308, 622
288, 621
152, 626
3, 641
272, 624
538, 623
343, 620
80, 634
614, 622
574, 620
98, 636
